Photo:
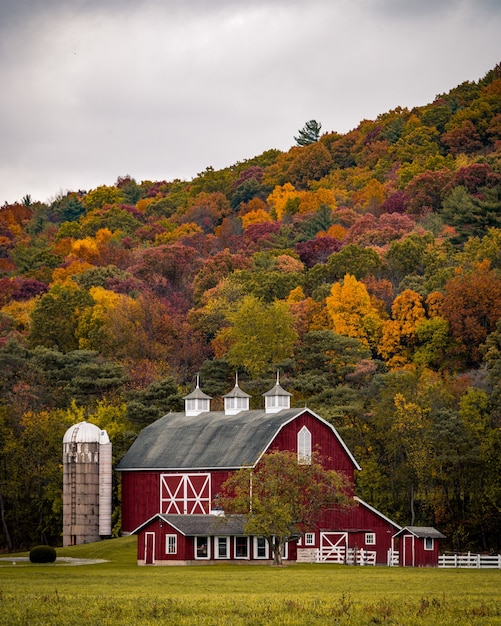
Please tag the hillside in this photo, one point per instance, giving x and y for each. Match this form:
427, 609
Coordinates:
365, 267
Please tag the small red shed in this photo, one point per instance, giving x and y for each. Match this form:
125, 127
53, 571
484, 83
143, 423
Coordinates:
417, 546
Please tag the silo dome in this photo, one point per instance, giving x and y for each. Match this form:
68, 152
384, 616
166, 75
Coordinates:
85, 432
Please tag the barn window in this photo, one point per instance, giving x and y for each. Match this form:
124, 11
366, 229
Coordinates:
304, 446
170, 544
260, 548
222, 548
309, 539
202, 548
370, 539
428, 543
241, 547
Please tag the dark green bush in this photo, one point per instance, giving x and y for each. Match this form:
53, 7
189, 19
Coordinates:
42, 554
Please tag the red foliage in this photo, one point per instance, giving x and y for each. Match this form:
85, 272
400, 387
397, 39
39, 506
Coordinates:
396, 203
317, 250
427, 190
477, 175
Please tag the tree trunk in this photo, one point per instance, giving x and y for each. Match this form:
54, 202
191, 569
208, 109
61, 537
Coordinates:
4, 524
276, 549
413, 512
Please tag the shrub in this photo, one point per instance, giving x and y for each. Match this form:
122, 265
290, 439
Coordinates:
42, 554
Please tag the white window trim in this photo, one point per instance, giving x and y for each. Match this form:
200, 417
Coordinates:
216, 548
309, 539
207, 556
267, 548
370, 539
304, 446
285, 551
167, 541
235, 547
426, 540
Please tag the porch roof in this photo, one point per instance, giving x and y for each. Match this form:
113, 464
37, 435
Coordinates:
421, 532
206, 525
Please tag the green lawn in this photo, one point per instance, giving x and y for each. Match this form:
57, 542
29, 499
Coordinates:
120, 593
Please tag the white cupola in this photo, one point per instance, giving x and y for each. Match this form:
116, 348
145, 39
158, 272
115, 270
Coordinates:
277, 399
196, 402
236, 400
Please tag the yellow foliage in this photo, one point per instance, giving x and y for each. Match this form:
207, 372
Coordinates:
371, 196
144, 203
311, 201
259, 216
279, 197
20, 312
63, 274
336, 231
352, 312
103, 236
408, 310
85, 249
296, 295
185, 230
399, 334
434, 304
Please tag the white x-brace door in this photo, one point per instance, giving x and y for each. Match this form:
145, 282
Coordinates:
185, 494
333, 546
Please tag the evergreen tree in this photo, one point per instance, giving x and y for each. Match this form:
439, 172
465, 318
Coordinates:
309, 133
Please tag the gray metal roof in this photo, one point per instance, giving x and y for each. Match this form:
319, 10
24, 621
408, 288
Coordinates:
208, 525
421, 532
211, 440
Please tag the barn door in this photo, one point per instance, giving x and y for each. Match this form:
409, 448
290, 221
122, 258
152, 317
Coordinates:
149, 548
333, 546
185, 494
408, 551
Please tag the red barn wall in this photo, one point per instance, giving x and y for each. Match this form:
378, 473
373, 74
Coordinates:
141, 495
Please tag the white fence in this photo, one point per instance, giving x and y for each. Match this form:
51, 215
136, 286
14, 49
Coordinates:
480, 561
393, 558
335, 554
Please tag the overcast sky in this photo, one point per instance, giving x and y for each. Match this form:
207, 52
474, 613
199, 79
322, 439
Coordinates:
161, 89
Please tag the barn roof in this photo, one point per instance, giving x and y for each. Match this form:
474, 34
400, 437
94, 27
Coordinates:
421, 532
212, 440
207, 525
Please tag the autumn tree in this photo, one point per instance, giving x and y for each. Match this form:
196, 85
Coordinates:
353, 313
472, 307
399, 334
259, 335
283, 498
56, 316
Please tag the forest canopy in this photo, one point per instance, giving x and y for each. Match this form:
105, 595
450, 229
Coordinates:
365, 267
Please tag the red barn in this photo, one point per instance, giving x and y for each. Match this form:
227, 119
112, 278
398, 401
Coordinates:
173, 472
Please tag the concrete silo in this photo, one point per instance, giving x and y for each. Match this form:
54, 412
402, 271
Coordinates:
87, 484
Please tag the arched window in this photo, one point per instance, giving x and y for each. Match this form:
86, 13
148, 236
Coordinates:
304, 446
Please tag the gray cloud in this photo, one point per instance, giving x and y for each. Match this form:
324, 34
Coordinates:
158, 90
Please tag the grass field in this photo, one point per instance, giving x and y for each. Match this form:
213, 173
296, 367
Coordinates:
118, 592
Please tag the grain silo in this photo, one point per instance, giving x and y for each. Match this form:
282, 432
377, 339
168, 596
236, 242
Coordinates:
87, 484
